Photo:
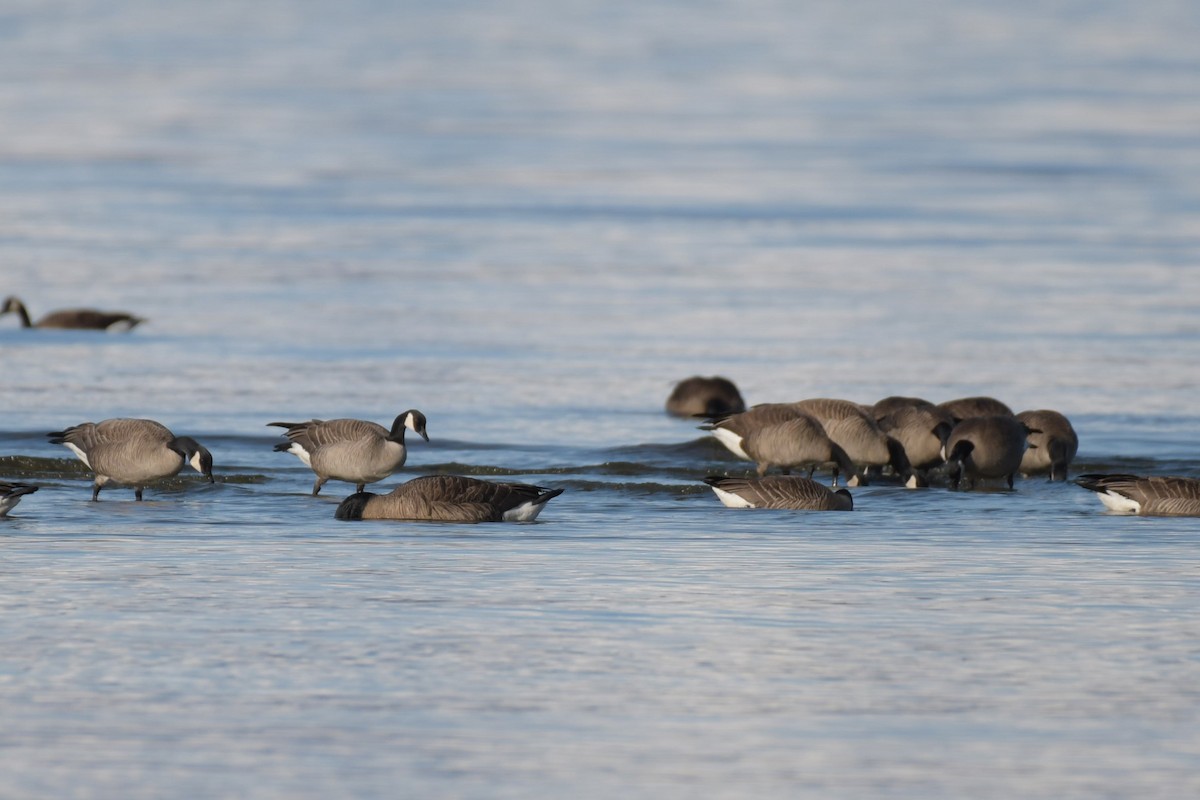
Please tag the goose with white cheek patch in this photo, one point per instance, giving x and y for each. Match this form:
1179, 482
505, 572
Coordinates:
450, 498
779, 491
1154, 496
132, 452
352, 450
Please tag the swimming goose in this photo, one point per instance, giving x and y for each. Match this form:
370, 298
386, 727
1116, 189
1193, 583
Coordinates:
11, 494
450, 498
133, 452
74, 318
776, 434
779, 491
986, 447
852, 428
699, 396
967, 407
353, 450
1052, 444
1154, 496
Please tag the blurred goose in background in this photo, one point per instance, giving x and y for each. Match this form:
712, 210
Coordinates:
985, 447
967, 407
11, 494
779, 491
699, 396
73, 318
851, 427
1147, 496
132, 452
353, 450
1052, 444
450, 498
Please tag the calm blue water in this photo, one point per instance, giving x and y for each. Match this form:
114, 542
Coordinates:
528, 221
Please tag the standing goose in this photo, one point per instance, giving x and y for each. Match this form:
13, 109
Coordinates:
797, 442
353, 450
921, 430
852, 428
986, 447
73, 318
11, 494
777, 434
450, 498
967, 407
779, 491
1052, 444
1154, 496
699, 396
133, 452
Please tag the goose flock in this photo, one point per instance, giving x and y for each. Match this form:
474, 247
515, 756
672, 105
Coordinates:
962, 443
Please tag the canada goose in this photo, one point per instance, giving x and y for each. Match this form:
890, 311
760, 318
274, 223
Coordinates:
353, 450
450, 498
133, 452
74, 318
779, 491
967, 407
797, 442
986, 447
1154, 496
921, 430
698, 396
776, 434
1052, 444
852, 428
11, 494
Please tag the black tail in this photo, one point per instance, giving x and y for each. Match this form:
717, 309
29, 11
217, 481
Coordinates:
58, 437
353, 506
549, 495
283, 447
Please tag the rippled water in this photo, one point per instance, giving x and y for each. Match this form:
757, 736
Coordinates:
529, 221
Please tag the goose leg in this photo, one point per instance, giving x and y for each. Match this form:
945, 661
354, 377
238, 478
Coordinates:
318, 484
137, 494
361, 488
96, 492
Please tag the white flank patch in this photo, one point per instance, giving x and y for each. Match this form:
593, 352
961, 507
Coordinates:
300, 453
526, 512
1119, 502
82, 456
731, 440
732, 500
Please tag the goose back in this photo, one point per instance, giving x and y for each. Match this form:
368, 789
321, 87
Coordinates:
450, 498
780, 492
921, 430
1153, 496
979, 406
